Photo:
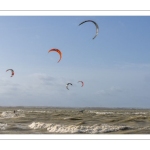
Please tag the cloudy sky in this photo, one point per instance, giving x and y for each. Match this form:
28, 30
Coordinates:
115, 66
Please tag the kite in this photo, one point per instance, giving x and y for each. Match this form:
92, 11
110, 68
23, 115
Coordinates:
97, 28
82, 83
56, 50
12, 72
67, 85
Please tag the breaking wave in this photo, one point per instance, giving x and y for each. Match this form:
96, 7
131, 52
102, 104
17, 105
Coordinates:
3, 126
11, 114
58, 128
120, 113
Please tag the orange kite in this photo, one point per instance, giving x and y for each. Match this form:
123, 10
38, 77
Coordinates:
56, 50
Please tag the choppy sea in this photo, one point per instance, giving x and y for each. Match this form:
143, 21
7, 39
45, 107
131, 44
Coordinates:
50, 120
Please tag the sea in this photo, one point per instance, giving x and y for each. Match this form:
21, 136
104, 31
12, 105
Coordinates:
58, 120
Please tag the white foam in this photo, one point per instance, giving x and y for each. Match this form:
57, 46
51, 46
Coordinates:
120, 113
58, 128
7, 114
104, 113
139, 113
3, 126
101, 113
11, 114
20, 110
131, 113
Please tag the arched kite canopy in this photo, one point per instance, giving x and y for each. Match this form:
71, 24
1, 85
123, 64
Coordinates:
12, 72
82, 83
56, 50
97, 28
68, 85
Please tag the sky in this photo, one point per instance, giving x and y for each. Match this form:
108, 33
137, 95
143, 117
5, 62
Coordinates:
115, 66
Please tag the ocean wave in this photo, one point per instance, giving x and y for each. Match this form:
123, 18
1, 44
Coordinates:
11, 114
104, 113
119, 113
37, 111
131, 113
139, 113
20, 110
72, 118
101, 112
94, 129
3, 126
